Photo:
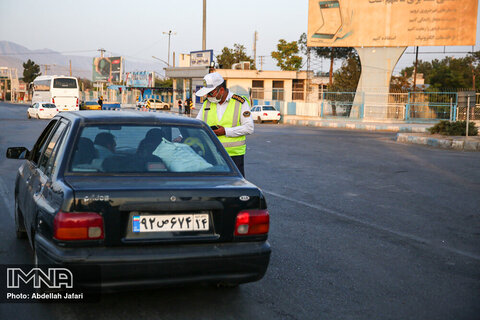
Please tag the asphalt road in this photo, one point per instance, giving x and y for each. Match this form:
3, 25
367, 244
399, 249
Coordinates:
361, 228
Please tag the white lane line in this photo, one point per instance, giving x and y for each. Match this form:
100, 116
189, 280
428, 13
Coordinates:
5, 195
376, 226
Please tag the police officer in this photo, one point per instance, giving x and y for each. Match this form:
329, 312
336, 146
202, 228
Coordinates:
230, 113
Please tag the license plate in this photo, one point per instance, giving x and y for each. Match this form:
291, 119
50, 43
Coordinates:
169, 223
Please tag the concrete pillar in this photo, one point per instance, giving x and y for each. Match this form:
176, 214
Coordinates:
374, 84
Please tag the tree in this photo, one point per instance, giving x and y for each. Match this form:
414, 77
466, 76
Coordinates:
230, 56
346, 78
31, 70
163, 83
448, 73
85, 84
286, 56
331, 53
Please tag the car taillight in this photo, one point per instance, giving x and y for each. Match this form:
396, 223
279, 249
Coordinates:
252, 222
57, 109
78, 226
77, 103
278, 114
265, 114
40, 109
53, 100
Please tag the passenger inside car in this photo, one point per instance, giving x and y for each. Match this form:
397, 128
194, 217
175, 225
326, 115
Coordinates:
146, 148
105, 144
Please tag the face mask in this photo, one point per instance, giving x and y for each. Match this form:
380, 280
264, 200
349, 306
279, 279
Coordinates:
213, 99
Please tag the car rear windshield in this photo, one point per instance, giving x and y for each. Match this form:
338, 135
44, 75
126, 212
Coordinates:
269, 109
91, 103
48, 105
65, 83
169, 149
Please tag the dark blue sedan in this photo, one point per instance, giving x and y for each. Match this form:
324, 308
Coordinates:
151, 199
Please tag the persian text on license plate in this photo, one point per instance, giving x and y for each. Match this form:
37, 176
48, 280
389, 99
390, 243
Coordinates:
168, 223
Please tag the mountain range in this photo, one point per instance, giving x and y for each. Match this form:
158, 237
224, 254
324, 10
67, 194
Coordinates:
13, 55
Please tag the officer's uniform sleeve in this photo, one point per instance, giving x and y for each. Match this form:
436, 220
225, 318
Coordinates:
200, 113
246, 123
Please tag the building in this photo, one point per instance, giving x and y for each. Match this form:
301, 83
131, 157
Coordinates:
277, 88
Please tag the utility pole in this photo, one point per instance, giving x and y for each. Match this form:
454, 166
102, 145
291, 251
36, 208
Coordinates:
169, 33
101, 52
70, 67
415, 70
204, 33
46, 67
261, 61
255, 38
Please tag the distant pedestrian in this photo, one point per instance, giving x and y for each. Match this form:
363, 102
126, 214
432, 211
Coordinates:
187, 106
180, 106
100, 102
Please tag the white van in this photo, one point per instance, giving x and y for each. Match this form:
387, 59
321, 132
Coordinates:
60, 90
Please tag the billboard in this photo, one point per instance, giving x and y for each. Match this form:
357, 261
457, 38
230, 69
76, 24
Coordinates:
107, 69
140, 79
201, 58
391, 23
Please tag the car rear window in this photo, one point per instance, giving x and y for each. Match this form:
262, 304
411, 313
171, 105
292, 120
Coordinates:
49, 105
116, 149
65, 83
269, 109
91, 103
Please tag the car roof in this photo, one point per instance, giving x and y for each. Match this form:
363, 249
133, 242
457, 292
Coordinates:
134, 117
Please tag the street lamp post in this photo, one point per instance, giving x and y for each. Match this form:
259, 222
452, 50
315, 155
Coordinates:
169, 33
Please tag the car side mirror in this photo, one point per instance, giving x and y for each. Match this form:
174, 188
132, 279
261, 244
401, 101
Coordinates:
17, 153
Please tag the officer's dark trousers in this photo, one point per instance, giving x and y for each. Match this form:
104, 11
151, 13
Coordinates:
239, 160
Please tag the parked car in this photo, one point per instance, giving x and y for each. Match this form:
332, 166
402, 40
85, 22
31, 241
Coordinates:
42, 110
90, 105
265, 113
150, 198
154, 104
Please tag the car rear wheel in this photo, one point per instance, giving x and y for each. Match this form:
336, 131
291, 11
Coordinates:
20, 231
38, 117
28, 115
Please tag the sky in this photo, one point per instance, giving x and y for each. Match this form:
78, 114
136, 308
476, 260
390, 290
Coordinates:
134, 29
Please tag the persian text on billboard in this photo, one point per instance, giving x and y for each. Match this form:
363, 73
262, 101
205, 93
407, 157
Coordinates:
108, 69
201, 58
387, 23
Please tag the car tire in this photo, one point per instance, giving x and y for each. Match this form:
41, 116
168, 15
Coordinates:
28, 115
20, 231
38, 117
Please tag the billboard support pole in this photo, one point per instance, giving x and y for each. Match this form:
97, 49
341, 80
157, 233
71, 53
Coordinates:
377, 68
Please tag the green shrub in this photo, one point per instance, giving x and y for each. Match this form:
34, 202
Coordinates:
456, 128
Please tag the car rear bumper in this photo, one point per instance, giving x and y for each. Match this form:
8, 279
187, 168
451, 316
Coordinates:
149, 266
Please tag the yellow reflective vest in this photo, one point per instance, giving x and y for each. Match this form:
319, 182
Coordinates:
235, 146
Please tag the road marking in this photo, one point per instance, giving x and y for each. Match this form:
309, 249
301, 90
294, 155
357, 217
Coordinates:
5, 196
376, 226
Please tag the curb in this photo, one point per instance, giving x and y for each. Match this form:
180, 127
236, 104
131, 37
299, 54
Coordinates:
446, 143
357, 126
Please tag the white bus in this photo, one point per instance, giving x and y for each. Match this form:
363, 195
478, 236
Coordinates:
59, 90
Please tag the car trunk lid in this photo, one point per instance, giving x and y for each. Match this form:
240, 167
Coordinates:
161, 209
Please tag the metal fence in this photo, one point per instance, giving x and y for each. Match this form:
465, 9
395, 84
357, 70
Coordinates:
431, 106
341, 104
